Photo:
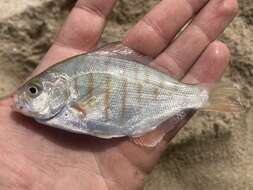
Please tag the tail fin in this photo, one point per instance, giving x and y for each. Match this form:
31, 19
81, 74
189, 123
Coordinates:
223, 98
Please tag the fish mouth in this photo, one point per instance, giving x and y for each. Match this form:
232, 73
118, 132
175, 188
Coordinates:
17, 106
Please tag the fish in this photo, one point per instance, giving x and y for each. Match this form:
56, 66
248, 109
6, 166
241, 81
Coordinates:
113, 92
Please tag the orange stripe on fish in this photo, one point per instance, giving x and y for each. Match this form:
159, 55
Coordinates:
107, 97
123, 104
140, 92
156, 93
90, 86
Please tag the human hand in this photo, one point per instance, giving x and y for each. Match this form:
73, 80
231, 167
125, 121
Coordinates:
38, 157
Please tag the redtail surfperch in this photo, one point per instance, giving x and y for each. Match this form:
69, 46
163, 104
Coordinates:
112, 92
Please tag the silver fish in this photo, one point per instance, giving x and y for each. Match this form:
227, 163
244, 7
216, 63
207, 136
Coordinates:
108, 93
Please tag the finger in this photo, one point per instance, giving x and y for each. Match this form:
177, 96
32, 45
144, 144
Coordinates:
81, 32
153, 33
208, 69
206, 27
210, 66
216, 56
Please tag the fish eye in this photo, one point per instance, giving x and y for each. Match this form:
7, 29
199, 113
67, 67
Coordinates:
33, 90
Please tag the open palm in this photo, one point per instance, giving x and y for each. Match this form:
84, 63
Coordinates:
33, 156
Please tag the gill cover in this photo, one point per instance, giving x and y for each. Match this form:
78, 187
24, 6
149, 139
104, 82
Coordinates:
57, 89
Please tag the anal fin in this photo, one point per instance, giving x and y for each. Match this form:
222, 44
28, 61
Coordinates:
151, 139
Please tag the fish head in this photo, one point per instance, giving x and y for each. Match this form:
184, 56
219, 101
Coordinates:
42, 97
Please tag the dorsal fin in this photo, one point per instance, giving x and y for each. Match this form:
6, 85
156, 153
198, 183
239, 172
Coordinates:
119, 50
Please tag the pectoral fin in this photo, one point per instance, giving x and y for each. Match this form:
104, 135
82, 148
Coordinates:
84, 106
93, 108
80, 108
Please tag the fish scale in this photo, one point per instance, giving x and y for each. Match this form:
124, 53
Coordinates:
124, 99
123, 110
111, 93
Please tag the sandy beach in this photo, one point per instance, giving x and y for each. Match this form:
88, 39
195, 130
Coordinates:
213, 152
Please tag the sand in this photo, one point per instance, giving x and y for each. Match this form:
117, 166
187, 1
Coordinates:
214, 151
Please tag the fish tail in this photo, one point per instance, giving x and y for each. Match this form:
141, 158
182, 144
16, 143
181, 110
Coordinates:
222, 98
